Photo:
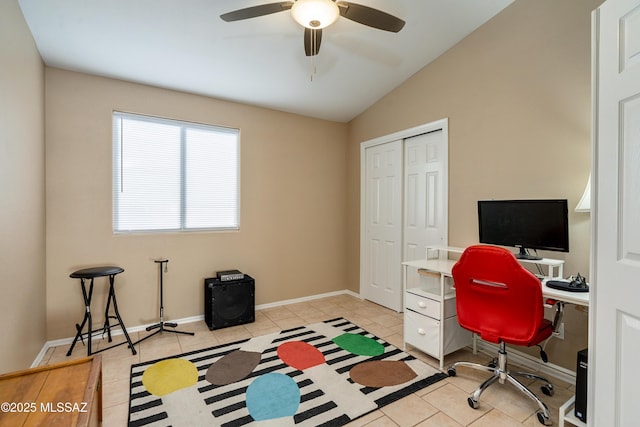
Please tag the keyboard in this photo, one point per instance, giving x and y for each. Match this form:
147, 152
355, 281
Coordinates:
568, 285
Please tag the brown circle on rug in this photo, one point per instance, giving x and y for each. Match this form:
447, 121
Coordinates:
382, 373
232, 367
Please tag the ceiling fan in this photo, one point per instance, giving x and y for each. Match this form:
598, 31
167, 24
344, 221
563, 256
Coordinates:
314, 15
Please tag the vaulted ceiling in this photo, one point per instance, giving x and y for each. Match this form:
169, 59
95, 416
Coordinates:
184, 45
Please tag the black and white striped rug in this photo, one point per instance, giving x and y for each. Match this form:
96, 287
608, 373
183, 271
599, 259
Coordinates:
325, 374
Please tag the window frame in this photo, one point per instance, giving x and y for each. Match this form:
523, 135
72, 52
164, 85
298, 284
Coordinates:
117, 173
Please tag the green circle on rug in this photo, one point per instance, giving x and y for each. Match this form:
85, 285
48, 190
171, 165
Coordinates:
359, 344
169, 375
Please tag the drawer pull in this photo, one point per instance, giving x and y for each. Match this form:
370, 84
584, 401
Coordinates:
422, 331
421, 304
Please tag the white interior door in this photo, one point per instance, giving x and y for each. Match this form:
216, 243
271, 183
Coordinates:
614, 372
426, 176
383, 225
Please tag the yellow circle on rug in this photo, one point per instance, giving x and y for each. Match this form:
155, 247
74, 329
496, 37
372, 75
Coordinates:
168, 376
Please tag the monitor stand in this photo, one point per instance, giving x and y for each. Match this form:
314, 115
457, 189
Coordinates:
524, 255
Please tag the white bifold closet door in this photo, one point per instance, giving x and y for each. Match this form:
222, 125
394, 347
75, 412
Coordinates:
383, 213
425, 207
405, 210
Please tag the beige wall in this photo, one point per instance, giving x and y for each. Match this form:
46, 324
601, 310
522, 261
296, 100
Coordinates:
293, 204
517, 95
22, 256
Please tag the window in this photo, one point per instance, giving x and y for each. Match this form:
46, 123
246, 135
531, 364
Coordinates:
170, 175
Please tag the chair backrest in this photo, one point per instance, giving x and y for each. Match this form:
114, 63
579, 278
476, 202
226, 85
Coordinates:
496, 297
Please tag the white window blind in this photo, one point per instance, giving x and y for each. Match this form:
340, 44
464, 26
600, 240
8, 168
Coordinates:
170, 175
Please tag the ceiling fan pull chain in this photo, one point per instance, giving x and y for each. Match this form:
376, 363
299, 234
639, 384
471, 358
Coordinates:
313, 42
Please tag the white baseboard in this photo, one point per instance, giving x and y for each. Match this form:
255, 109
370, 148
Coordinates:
305, 299
139, 328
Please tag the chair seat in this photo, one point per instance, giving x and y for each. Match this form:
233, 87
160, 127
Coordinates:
544, 332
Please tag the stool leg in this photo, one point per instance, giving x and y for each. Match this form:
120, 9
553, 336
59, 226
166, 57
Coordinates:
117, 313
79, 328
87, 317
90, 333
107, 326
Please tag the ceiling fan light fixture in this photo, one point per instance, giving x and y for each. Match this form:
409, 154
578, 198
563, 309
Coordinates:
315, 14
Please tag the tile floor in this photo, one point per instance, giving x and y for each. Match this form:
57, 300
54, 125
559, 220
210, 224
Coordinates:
443, 404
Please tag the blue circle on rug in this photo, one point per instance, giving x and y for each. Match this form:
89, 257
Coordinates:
272, 396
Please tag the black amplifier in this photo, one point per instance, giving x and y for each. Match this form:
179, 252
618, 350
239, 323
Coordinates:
229, 302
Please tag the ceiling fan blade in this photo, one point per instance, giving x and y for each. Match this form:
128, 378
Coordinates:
369, 16
255, 11
312, 39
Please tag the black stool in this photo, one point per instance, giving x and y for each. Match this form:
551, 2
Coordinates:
91, 273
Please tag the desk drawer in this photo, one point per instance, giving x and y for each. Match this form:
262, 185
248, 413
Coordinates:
429, 307
422, 332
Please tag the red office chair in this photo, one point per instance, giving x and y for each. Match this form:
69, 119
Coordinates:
501, 301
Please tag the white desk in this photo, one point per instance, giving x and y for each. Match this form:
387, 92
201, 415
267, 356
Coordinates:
433, 252
430, 320
577, 298
442, 267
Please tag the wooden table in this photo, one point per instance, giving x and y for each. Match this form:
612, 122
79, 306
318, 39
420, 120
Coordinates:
64, 394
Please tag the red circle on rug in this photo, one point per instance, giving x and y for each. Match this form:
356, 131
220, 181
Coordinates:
300, 355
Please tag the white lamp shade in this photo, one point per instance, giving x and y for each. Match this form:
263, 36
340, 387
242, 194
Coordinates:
584, 205
315, 14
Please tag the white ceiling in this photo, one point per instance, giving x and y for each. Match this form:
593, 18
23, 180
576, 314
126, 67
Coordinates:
184, 45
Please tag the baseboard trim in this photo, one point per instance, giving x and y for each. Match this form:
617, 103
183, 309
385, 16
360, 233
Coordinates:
139, 328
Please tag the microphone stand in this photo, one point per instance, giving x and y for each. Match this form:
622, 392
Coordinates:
161, 325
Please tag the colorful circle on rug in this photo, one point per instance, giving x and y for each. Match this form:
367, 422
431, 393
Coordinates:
382, 373
300, 355
359, 344
232, 367
272, 396
169, 375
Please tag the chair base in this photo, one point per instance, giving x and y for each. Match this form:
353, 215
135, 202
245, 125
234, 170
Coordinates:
502, 374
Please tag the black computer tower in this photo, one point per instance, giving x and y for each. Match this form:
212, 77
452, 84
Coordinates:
580, 407
229, 303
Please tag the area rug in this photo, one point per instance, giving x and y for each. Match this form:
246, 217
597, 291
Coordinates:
325, 374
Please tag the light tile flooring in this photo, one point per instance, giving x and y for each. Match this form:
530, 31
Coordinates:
443, 404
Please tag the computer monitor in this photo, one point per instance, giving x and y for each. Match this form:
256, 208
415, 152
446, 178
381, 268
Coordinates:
525, 224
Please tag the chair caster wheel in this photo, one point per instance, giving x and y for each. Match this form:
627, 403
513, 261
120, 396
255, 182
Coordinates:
543, 419
547, 389
472, 403
451, 372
